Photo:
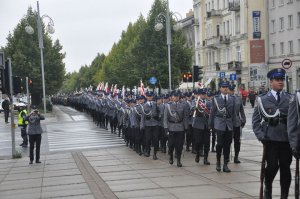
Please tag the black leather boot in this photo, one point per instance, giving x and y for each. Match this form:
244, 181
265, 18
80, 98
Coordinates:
179, 162
171, 159
218, 166
284, 194
205, 161
268, 193
197, 159
236, 160
154, 156
225, 168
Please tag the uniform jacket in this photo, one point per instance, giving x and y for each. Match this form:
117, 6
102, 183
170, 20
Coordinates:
34, 124
175, 117
239, 111
293, 127
261, 128
161, 108
150, 114
200, 121
219, 120
190, 105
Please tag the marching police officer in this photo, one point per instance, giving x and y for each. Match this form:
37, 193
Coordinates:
190, 104
222, 118
175, 122
200, 126
238, 123
269, 124
150, 119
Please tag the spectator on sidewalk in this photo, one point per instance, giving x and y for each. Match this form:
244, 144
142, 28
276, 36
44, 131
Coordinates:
35, 133
5, 106
252, 97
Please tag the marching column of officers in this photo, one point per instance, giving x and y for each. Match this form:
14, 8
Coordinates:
174, 119
171, 120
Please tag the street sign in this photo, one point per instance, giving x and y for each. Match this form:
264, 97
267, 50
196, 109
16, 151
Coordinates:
232, 77
153, 80
286, 63
222, 74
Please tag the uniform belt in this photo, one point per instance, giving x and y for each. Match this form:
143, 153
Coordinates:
224, 116
175, 121
276, 120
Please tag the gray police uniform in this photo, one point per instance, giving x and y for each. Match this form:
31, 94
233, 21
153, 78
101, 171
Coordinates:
222, 118
269, 124
175, 121
293, 123
239, 122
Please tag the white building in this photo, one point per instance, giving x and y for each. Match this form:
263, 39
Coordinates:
284, 37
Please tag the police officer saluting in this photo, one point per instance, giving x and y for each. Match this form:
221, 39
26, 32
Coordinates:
175, 122
269, 124
221, 118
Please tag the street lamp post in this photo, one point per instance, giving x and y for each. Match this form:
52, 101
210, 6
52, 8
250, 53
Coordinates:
51, 30
158, 26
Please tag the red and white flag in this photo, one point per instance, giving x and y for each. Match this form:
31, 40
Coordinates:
123, 91
142, 88
99, 87
106, 88
115, 91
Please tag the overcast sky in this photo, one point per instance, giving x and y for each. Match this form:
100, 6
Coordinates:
83, 27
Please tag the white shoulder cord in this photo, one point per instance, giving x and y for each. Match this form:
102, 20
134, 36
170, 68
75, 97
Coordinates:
137, 111
223, 110
173, 115
260, 106
145, 112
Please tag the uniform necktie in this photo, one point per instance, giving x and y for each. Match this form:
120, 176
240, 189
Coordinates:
278, 96
225, 100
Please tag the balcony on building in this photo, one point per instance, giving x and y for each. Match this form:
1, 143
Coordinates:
218, 68
212, 41
234, 5
213, 13
235, 66
224, 39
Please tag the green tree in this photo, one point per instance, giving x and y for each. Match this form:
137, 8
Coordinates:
24, 51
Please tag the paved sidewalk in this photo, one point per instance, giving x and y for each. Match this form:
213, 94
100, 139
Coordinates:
121, 173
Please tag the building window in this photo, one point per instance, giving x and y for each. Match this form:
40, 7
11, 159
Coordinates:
273, 30
281, 2
237, 24
298, 17
238, 54
281, 48
290, 22
272, 3
213, 5
224, 28
291, 49
227, 27
273, 50
281, 23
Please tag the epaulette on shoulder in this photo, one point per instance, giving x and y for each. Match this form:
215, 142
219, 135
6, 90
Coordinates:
263, 94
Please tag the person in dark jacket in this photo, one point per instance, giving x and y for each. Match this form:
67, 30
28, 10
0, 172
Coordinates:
35, 133
5, 106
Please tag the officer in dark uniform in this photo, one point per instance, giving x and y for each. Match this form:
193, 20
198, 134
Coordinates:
200, 126
175, 122
269, 124
209, 97
190, 105
239, 123
222, 119
164, 136
150, 119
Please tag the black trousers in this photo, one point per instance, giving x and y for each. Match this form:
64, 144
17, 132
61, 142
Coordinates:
189, 136
278, 156
224, 139
6, 114
163, 137
213, 137
176, 141
202, 138
35, 140
237, 139
152, 135
113, 121
137, 137
24, 135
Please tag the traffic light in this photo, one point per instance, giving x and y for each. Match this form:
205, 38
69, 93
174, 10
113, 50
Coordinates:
187, 77
198, 73
30, 85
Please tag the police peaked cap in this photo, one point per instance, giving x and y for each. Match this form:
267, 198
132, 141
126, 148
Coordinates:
202, 91
149, 94
276, 73
224, 84
175, 93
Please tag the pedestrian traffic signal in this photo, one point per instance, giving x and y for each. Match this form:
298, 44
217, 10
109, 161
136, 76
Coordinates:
198, 73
